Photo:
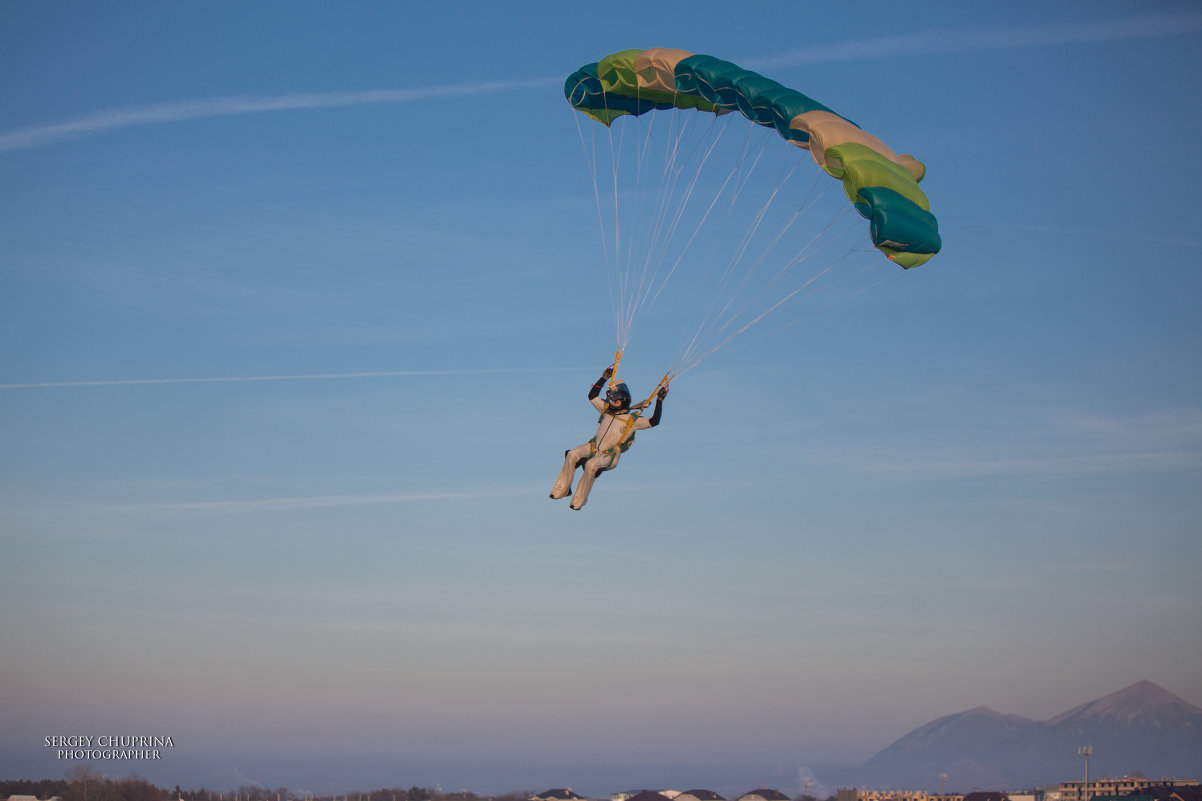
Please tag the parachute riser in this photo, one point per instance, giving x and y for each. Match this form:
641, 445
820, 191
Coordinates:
634, 416
613, 378
663, 382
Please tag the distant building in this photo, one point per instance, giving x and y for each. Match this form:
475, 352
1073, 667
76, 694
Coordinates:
1160, 792
764, 794
893, 795
1125, 786
558, 794
646, 795
699, 795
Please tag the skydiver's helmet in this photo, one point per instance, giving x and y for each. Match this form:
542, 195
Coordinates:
618, 398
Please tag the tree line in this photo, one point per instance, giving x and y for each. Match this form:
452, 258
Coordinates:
85, 783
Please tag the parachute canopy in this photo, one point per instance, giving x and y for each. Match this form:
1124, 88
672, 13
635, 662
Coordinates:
882, 185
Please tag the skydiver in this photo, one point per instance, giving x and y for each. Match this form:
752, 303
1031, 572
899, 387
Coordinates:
615, 435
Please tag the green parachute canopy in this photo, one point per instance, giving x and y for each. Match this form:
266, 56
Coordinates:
882, 185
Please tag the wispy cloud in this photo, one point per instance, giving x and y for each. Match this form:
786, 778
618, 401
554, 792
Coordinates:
1093, 233
1054, 464
298, 377
262, 505
911, 45
1058, 442
301, 503
112, 119
987, 37
23, 508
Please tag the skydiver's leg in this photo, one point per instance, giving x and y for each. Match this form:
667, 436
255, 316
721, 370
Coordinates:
571, 460
592, 468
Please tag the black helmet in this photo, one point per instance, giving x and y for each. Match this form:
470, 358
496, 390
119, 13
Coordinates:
618, 396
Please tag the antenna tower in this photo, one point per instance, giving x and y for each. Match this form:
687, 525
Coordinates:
1085, 751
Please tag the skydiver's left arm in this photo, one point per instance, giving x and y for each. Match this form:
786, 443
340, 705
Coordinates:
659, 407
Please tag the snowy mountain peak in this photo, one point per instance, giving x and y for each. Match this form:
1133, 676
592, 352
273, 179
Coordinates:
1140, 701
1142, 727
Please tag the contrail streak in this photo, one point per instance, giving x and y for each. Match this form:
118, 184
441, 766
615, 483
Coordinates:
302, 503
913, 45
111, 119
982, 37
299, 377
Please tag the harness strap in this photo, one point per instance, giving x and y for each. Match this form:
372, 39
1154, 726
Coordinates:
623, 443
610, 452
663, 382
627, 437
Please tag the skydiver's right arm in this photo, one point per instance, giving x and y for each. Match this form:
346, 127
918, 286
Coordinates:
596, 390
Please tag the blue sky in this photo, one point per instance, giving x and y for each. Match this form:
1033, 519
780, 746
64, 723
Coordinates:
299, 303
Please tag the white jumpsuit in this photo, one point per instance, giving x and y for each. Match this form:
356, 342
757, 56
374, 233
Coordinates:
598, 454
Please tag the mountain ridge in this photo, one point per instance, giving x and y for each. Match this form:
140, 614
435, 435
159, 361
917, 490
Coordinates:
1139, 697
1142, 727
